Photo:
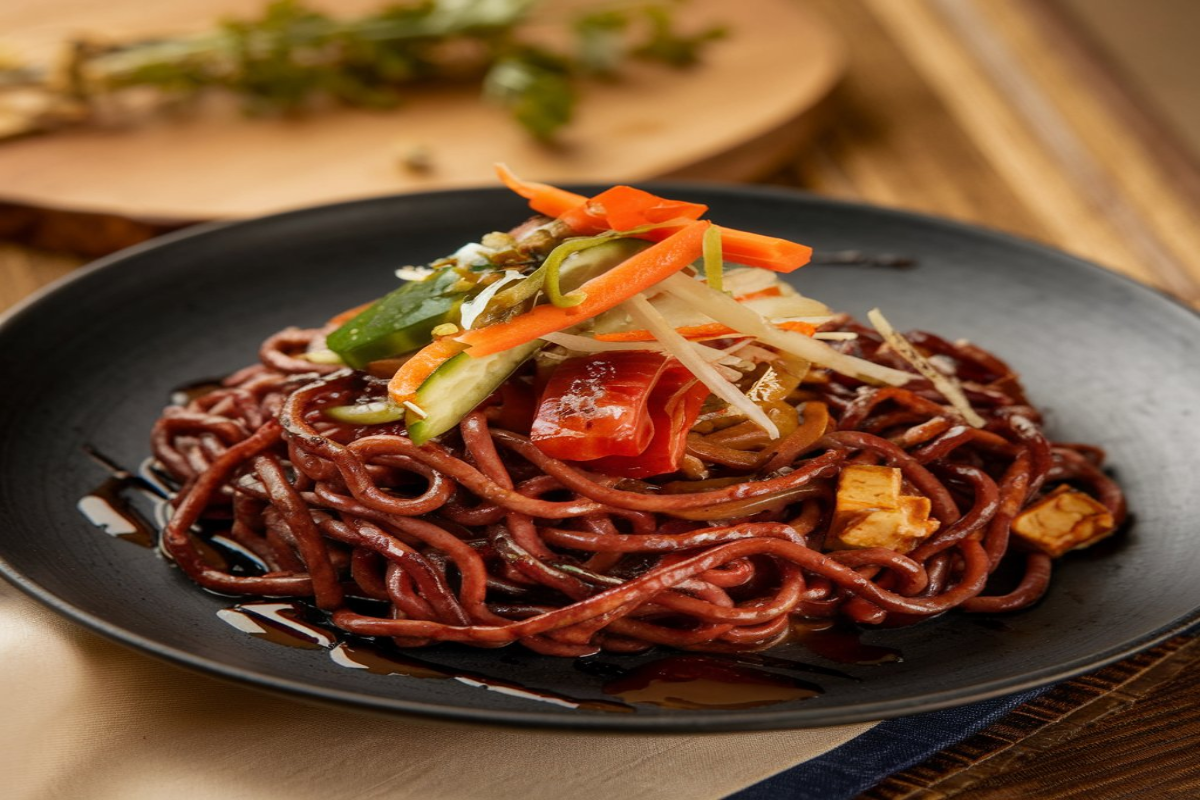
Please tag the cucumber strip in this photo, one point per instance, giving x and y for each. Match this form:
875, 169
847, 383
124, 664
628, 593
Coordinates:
376, 412
462, 383
399, 322
458, 386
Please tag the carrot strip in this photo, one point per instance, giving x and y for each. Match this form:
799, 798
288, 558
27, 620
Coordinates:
768, 252
403, 386
711, 330
589, 216
543, 198
635, 274
796, 326
624, 208
770, 291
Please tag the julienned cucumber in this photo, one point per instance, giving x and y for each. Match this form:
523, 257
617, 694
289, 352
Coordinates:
399, 322
458, 386
462, 383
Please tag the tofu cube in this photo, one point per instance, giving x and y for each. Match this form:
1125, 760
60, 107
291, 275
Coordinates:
871, 512
1066, 519
867, 488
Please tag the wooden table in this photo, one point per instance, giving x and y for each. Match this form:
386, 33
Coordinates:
997, 113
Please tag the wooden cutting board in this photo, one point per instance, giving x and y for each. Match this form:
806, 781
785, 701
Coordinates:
737, 115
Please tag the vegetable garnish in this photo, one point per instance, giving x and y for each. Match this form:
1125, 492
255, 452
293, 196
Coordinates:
403, 386
644, 314
596, 405
724, 308
604, 281
377, 412
546, 277
543, 198
770, 291
589, 344
945, 384
624, 208
674, 405
711, 330
765, 252
713, 262
641, 271
400, 321
588, 215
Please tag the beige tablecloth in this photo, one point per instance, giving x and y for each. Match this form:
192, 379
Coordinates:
87, 719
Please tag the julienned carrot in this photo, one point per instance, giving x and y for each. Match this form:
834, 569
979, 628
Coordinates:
711, 330
404, 384
619, 208
768, 252
635, 274
795, 326
586, 216
624, 208
770, 291
543, 198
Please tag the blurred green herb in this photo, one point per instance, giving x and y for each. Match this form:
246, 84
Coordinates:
294, 58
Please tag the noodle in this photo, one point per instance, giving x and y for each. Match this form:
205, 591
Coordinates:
481, 538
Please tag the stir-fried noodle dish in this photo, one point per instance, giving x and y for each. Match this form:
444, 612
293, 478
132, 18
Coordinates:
614, 427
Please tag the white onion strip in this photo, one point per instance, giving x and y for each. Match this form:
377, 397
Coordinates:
648, 317
586, 344
946, 385
470, 310
723, 308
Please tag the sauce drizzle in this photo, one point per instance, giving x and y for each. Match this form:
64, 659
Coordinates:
704, 682
278, 623
841, 643
110, 508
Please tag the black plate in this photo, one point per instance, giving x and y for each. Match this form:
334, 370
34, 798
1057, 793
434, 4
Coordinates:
91, 363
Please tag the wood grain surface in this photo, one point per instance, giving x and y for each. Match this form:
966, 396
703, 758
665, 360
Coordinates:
755, 86
1002, 114
1114, 733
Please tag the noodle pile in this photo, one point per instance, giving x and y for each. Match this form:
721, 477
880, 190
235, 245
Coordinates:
482, 539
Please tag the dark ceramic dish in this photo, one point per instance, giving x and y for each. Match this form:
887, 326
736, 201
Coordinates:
90, 363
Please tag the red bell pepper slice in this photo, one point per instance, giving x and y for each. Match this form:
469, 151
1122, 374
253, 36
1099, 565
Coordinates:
595, 406
674, 406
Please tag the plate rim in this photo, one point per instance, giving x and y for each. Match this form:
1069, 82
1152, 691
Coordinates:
751, 720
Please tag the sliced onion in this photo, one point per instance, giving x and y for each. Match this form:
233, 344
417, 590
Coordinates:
586, 344
723, 308
787, 306
646, 316
747, 281
471, 309
945, 384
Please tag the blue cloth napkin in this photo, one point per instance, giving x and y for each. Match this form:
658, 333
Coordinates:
884, 750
